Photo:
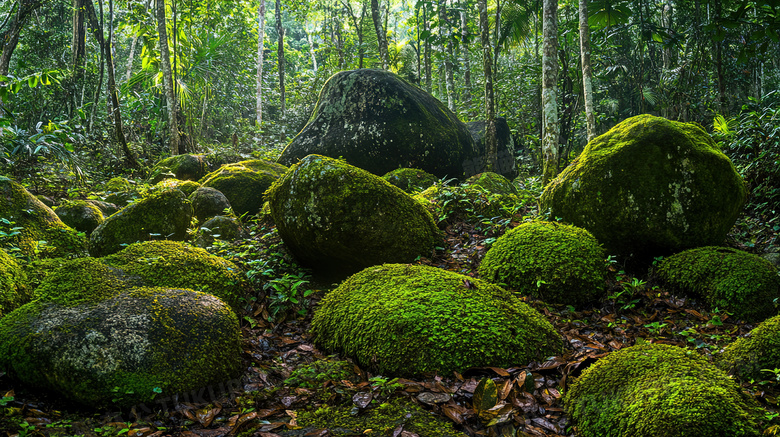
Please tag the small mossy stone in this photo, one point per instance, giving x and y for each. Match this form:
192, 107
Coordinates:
14, 290
405, 320
654, 390
208, 202
41, 233
411, 180
649, 187
122, 349
243, 183
760, 349
332, 215
492, 182
185, 167
117, 184
80, 215
187, 187
219, 227
729, 279
163, 215
562, 264
106, 208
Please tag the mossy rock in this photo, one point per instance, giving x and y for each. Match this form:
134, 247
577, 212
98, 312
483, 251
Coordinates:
492, 182
759, 350
123, 198
559, 263
123, 348
80, 215
178, 265
411, 180
220, 227
184, 167
163, 215
117, 184
654, 390
38, 223
332, 215
208, 202
187, 187
405, 320
473, 204
107, 208
649, 187
14, 291
244, 183
378, 122
505, 159
725, 278
317, 373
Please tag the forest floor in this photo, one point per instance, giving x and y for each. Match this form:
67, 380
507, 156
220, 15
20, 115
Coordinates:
266, 401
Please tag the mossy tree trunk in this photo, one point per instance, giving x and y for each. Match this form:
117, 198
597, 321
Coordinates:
381, 38
550, 125
170, 96
587, 72
260, 37
491, 143
280, 55
444, 31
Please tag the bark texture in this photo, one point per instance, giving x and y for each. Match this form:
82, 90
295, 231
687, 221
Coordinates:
550, 125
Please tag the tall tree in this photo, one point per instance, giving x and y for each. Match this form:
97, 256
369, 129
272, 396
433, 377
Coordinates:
464, 31
427, 51
550, 127
170, 96
587, 72
280, 55
260, 37
491, 142
9, 38
444, 30
381, 37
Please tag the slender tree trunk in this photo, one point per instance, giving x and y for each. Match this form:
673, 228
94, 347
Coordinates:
381, 37
587, 72
260, 37
170, 96
466, 59
427, 53
491, 143
99, 88
418, 46
444, 29
280, 55
551, 127
719, 64
310, 40
10, 38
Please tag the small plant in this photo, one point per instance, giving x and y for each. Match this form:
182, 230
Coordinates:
775, 374
288, 294
656, 327
384, 386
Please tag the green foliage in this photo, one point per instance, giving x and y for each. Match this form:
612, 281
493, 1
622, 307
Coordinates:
315, 374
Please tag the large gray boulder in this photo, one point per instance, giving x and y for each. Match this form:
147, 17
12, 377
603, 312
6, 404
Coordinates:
505, 162
377, 121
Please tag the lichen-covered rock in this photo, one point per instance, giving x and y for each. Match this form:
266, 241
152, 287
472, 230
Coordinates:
650, 187
80, 215
492, 182
184, 167
162, 215
725, 278
244, 183
14, 291
37, 223
378, 122
655, 390
505, 160
333, 215
219, 227
208, 202
121, 348
399, 319
559, 263
410, 180
186, 187
759, 350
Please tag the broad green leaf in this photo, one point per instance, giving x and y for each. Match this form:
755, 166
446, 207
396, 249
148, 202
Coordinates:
485, 395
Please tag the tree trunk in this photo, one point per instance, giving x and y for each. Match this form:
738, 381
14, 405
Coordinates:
99, 88
466, 59
170, 96
427, 53
381, 37
280, 55
491, 144
260, 37
10, 38
719, 64
587, 72
551, 127
311, 49
444, 29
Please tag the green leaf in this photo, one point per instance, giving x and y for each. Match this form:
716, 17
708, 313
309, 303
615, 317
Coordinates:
485, 395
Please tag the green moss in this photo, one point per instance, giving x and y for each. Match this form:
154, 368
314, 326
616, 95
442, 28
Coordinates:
14, 291
333, 215
659, 390
560, 263
760, 349
208, 202
118, 184
649, 187
492, 182
179, 265
183, 167
400, 319
725, 278
473, 204
244, 183
80, 215
381, 420
187, 187
410, 180
82, 280
315, 374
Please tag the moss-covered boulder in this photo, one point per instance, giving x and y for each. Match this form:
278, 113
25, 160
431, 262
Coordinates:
184, 167
559, 263
759, 350
163, 215
220, 227
208, 202
80, 215
411, 180
505, 160
649, 187
404, 320
332, 215
186, 187
106, 208
14, 291
121, 347
654, 390
492, 182
724, 278
41, 233
377, 121
117, 184
243, 183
